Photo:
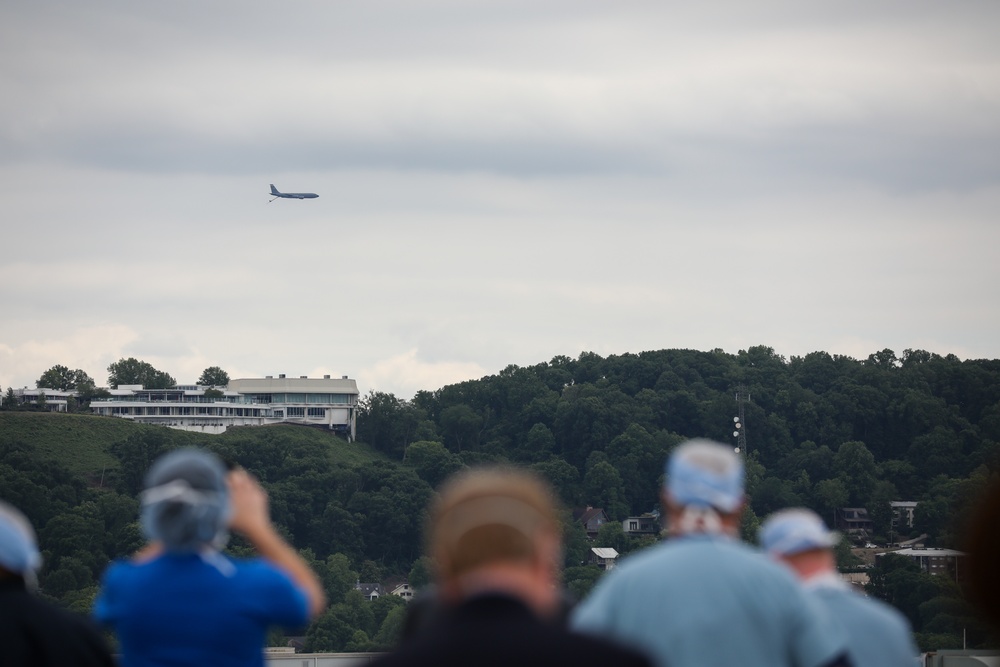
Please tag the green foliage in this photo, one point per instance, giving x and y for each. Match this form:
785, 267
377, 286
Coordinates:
421, 574
579, 580
823, 431
133, 371
62, 378
431, 461
213, 376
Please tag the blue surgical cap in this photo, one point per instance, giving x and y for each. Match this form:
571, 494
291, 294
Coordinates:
705, 474
186, 501
793, 531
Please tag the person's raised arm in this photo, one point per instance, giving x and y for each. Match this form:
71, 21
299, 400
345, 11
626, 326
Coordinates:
252, 520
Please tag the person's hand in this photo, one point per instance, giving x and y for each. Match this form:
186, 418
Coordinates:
249, 504
148, 552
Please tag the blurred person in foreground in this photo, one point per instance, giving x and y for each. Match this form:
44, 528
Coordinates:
982, 542
181, 601
703, 597
877, 634
495, 538
34, 633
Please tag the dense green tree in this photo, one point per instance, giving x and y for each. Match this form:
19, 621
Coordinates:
391, 629
10, 399
580, 579
421, 573
387, 423
133, 371
62, 378
432, 461
213, 376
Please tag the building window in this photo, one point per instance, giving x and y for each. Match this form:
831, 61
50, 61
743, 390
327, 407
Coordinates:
296, 412
317, 412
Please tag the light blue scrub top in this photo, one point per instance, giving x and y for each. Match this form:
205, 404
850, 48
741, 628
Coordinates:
878, 635
710, 600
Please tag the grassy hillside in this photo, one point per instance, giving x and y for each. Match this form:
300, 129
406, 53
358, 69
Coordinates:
82, 443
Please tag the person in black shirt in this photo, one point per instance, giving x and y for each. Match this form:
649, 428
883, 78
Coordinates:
34, 633
494, 537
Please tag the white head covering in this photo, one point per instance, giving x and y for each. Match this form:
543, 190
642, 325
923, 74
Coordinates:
186, 502
18, 546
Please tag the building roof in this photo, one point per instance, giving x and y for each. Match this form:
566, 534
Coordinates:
586, 515
933, 552
282, 384
368, 589
605, 552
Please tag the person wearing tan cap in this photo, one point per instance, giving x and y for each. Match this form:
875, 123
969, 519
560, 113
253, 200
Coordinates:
495, 540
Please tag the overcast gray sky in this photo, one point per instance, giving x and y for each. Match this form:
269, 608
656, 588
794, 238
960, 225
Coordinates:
500, 182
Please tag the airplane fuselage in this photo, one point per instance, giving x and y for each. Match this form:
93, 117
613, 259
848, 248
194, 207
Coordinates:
293, 195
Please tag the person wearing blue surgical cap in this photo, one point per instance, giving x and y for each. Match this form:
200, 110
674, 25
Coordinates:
878, 635
34, 633
702, 597
181, 601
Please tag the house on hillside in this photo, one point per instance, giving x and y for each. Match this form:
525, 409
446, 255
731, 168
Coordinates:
944, 562
644, 524
370, 591
55, 400
602, 557
854, 521
404, 590
902, 513
592, 519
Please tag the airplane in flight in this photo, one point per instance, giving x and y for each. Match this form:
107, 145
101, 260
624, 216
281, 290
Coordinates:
290, 195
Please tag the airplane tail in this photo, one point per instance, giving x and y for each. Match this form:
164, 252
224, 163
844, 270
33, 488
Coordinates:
274, 191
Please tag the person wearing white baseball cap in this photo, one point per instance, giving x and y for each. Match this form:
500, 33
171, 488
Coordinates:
34, 633
703, 597
878, 635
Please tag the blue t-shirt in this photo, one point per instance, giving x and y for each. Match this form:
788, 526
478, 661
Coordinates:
709, 600
197, 610
878, 635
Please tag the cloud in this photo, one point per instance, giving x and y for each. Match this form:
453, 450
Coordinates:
405, 374
91, 349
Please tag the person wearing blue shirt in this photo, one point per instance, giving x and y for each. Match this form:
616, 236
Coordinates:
181, 601
878, 635
702, 597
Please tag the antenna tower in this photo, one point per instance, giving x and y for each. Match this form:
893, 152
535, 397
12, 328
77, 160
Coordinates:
739, 423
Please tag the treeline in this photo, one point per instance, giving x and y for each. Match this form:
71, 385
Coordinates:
822, 431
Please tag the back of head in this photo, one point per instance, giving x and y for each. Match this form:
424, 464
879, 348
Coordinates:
487, 516
185, 504
18, 546
703, 473
795, 531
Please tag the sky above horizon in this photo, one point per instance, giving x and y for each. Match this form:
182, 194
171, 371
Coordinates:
500, 183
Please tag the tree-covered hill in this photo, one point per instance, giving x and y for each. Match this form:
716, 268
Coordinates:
823, 431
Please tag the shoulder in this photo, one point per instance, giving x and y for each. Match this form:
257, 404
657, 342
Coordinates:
592, 650
873, 610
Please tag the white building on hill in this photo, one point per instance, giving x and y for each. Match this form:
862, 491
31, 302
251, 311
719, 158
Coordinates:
324, 402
